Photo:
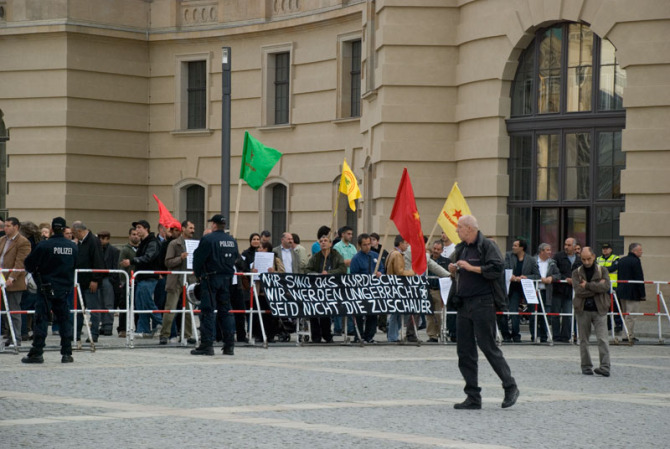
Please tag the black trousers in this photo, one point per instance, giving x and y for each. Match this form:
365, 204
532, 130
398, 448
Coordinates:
477, 327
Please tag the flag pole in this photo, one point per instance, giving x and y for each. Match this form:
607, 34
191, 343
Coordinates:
431, 235
333, 221
386, 235
237, 207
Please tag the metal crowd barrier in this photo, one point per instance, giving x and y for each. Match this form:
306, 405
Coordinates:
539, 313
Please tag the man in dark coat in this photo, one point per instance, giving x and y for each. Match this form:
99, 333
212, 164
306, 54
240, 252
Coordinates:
630, 295
561, 301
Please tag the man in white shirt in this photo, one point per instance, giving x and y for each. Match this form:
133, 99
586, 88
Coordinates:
449, 246
287, 254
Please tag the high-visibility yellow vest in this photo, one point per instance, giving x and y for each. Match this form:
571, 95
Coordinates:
608, 263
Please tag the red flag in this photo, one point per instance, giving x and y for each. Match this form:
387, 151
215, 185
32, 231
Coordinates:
165, 217
406, 218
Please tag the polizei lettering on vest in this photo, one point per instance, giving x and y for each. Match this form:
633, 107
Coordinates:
226, 244
63, 251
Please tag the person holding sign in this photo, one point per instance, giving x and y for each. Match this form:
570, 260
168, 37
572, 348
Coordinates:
275, 265
478, 267
523, 266
591, 283
326, 261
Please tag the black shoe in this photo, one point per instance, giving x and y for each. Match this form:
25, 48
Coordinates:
453, 339
412, 338
207, 350
163, 341
66, 359
228, 350
191, 341
32, 359
511, 395
587, 372
602, 372
516, 340
468, 404
95, 339
432, 340
242, 340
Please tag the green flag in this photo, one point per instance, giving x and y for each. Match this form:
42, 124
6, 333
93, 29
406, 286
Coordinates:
257, 161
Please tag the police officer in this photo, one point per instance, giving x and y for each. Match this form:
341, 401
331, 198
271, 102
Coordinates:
611, 262
214, 264
52, 264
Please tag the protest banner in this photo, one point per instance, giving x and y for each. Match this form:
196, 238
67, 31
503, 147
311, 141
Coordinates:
305, 295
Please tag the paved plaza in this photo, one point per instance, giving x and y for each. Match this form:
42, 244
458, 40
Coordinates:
329, 396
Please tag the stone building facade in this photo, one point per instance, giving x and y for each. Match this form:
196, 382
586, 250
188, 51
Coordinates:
550, 114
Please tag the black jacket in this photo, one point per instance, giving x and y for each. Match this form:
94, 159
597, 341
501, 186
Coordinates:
630, 269
110, 255
492, 270
147, 256
53, 262
90, 257
566, 268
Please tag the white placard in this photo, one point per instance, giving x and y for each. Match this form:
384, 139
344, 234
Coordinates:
263, 261
445, 286
529, 292
191, 245
508, 277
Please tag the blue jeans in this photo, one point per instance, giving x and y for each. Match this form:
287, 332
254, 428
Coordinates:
215, 291
393, 325
144, 301
92, 301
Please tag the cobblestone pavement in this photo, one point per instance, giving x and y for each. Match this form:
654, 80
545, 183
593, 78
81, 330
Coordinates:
329, 396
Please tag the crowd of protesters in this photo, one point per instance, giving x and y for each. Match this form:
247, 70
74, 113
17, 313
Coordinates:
166, 250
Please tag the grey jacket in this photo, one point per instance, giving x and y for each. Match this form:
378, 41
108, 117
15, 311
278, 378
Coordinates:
555, 273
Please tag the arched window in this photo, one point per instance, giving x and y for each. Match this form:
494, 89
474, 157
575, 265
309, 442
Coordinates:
195, 207
278, 212
565, 131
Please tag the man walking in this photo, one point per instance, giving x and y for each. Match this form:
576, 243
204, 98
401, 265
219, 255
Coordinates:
478, 267
592, 302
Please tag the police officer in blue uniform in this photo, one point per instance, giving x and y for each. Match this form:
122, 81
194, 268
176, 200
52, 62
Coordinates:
214, 264
52, 265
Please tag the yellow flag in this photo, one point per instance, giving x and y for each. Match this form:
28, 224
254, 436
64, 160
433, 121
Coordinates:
454, 208
349, 185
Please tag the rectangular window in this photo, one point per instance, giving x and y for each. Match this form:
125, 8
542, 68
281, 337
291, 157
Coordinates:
612, 79
197, 94
191, 93
577, 165
276, 85
355, 81
547, 167
580, 68
520, 168
281, 85
611, 160
607, 227
349, 67
549, 61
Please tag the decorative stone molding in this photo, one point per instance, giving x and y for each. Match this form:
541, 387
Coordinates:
287, 6
198, 12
